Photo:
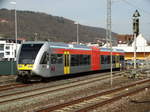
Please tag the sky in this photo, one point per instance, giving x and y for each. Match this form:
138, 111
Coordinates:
91, 12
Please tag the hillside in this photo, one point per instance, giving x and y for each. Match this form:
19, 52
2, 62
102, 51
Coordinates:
44, 27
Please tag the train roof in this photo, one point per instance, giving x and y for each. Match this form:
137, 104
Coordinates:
33, 42
71, 46
109, 49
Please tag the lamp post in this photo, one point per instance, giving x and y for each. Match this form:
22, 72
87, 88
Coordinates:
14, 3
77, 32
108, 35
136, 16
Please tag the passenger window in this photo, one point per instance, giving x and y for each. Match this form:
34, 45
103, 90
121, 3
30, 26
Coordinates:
56, 59
53, 59
59, 58
78, 60
102, 59
74, 60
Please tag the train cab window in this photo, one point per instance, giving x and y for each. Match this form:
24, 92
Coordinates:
28, 53
44, 58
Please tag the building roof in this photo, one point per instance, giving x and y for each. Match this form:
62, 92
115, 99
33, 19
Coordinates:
141, 45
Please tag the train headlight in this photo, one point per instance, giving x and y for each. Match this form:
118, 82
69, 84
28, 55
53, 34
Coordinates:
30, 66
20, 66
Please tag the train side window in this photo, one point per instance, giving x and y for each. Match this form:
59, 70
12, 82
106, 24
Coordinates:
121, 58
89, 60
85, 59
118, 59
102, 59
56, 58
53, 58
44, 58
113, 59
77, 60
59, 58
74, 60
108, 62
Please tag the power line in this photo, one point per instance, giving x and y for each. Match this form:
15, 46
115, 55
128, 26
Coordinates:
132, 5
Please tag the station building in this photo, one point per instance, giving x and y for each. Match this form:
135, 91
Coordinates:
142, 48
8, 56
8, 49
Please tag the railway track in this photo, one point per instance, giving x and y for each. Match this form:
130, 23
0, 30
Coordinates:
94, 101
18, 85
12, 86
49, 90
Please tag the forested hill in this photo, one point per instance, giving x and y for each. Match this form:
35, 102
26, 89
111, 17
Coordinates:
44, 27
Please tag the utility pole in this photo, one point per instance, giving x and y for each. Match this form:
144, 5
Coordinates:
109, 37
77, 32
16, 33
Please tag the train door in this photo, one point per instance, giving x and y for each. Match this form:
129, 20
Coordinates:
117, 61
95, 59
66, 62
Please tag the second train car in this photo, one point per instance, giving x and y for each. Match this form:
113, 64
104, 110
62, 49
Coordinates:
37, 60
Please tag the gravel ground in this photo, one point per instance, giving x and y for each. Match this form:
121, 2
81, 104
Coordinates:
29, 105
7, 79
137, 103
72, 94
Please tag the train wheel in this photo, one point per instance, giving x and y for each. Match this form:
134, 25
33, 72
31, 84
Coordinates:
19, 79
25, 79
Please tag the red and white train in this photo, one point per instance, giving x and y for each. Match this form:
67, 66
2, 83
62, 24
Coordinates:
49, 59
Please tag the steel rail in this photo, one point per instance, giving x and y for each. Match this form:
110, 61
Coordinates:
54, 90
63, 105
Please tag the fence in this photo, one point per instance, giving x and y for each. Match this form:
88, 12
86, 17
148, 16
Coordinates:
8, 68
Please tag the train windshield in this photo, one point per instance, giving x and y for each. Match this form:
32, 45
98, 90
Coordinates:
28, 53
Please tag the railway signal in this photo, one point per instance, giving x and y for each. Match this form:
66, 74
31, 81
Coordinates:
136, 16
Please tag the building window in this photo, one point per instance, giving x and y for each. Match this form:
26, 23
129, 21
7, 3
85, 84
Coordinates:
1, 55
7, 53
1, 47
7, 47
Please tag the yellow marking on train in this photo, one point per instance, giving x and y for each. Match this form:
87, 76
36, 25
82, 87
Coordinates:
117, 65
25, 66
67, 65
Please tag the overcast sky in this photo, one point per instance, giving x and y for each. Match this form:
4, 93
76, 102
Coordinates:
91, 12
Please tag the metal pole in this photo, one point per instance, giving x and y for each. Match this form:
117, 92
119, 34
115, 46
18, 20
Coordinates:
77, 33
110, 38
14, 3
16, 32
134, 50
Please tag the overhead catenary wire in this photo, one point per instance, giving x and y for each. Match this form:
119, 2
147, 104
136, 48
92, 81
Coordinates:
134, 6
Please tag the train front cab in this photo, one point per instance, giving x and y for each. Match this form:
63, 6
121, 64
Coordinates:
26, 59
